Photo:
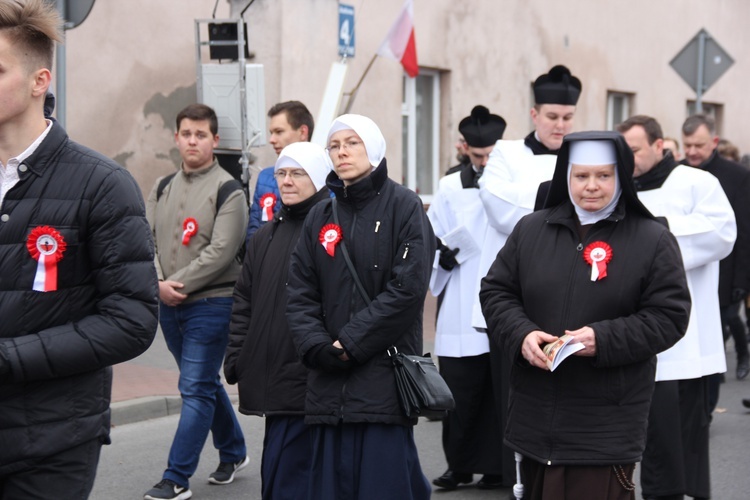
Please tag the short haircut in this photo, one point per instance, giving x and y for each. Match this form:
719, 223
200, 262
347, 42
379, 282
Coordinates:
297, 115
33, 25
695, 121
650, 125
199, 112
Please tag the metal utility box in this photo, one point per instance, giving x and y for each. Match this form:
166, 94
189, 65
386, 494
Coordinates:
220, 89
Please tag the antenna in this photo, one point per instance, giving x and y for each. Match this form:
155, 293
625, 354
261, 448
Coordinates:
213, 16
246, 7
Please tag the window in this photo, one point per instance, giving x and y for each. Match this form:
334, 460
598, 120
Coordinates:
420, 115
712, 109
619, 106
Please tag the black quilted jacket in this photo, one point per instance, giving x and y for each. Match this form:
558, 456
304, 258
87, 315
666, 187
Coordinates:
60, 344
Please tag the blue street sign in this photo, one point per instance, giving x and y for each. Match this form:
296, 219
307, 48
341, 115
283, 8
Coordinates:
346, 30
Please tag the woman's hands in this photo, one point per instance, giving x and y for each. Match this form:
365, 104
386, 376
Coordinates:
531, 350
585, 336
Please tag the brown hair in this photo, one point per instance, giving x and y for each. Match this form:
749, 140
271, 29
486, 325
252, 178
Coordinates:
33, 25
650, 125
199, 112
297, 115
728, 150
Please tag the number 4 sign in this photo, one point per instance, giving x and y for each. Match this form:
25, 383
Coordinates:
346, 30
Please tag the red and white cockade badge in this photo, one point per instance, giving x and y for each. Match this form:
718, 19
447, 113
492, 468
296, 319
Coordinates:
46, 245
597, 255
267, 202
189, 229
329, 237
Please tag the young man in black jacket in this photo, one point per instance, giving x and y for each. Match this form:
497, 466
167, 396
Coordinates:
261, 357
77, 288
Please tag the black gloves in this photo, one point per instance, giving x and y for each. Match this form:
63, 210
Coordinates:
447, 259
447, 256
326, 358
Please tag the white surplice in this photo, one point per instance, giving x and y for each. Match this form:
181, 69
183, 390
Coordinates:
454, 207
702, 220
508, 189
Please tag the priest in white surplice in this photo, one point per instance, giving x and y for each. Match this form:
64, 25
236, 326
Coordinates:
692, 203
471, 432
508, 190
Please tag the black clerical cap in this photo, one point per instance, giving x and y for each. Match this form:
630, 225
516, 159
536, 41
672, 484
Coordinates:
557, 87
482, 129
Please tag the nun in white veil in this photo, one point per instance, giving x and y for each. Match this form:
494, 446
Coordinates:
596, 267
363, 444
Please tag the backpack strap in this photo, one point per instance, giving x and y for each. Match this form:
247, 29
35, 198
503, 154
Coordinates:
225, 190
163, 184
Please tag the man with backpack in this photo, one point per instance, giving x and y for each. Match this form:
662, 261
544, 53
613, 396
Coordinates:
197, 216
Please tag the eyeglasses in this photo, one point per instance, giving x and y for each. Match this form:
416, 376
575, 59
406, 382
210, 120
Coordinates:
346, 146
294, 174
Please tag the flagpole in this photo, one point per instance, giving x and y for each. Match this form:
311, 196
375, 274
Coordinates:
353, 93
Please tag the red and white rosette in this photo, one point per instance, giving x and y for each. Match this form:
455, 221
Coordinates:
267, 202
329, 237
46, 245
189, 229
598, 254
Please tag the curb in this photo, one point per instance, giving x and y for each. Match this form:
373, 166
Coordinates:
137, 410
146, 408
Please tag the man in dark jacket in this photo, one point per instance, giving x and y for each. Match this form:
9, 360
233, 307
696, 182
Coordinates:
700, 141
261, 357
77, 288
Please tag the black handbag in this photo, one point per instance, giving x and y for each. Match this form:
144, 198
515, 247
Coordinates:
421, 389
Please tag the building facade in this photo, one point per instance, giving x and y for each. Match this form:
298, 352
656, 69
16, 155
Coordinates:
131, 66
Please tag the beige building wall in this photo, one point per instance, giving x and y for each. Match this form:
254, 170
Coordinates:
131, 65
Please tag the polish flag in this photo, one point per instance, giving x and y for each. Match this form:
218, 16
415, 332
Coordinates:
399, 44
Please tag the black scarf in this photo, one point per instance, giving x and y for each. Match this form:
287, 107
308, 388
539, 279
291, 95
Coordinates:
470, 177
654, 178
537, 147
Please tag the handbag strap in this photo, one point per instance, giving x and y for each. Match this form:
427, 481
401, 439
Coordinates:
345, 253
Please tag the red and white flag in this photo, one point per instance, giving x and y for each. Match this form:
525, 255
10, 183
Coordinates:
400, 44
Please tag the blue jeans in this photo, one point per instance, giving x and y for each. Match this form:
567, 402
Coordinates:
197, 334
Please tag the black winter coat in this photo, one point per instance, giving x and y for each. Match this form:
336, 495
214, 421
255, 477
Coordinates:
590, 410
60, 344
734, 270
392, 245
261, 356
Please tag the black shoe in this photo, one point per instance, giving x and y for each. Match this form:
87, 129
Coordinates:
743, 368
490, 482
168, 490
450, 480
224, 473
746, 402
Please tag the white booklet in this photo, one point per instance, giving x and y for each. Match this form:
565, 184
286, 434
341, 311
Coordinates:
462, 239
560, 349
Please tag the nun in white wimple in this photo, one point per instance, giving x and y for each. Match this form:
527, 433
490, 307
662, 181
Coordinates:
593, 183
593, 265
374, 232
301, 170
261, 356
356, 146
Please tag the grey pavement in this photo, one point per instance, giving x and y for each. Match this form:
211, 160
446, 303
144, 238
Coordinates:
145, 416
